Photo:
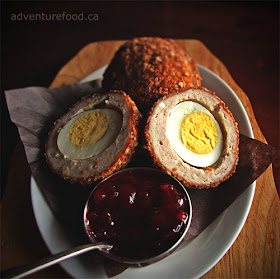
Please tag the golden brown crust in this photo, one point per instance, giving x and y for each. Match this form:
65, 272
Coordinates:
124, 156
149, 146
150, 68
121, 159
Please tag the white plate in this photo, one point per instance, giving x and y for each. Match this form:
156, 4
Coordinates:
194, 258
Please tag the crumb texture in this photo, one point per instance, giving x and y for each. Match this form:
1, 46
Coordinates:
148, 68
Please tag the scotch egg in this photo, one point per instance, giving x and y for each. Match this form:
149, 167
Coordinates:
97, 137
148, 68
193, 136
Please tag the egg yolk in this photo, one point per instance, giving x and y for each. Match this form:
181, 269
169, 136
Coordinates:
199, 132
89, 129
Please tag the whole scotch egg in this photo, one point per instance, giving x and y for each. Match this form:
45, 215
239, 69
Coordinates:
149, 68
95, 138
193, 136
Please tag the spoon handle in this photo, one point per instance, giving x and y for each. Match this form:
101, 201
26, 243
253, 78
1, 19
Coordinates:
24, 270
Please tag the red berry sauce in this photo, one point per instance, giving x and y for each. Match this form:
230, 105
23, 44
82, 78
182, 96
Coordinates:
141, 212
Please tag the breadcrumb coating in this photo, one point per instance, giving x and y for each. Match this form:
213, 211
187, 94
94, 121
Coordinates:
149, 68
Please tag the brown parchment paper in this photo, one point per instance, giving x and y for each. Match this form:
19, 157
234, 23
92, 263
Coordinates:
35, 109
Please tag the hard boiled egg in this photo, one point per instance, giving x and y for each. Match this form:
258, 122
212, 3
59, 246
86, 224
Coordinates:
194, 134
89, 133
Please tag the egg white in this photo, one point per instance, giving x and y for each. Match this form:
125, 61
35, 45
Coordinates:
177, 115
75, 152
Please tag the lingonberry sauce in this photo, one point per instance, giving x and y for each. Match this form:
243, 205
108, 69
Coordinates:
140, 212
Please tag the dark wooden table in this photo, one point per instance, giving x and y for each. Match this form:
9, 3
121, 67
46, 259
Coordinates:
243, 35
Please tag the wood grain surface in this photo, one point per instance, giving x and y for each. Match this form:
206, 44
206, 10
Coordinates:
255, 253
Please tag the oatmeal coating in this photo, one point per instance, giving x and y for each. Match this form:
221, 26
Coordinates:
149, 68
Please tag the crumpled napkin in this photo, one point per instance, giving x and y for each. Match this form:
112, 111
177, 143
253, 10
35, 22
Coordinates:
35, 109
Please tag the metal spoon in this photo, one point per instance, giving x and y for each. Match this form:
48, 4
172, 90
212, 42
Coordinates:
104, 248
24, 270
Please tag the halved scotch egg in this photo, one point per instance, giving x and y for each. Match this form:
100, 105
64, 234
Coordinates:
95, 138
193, 136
